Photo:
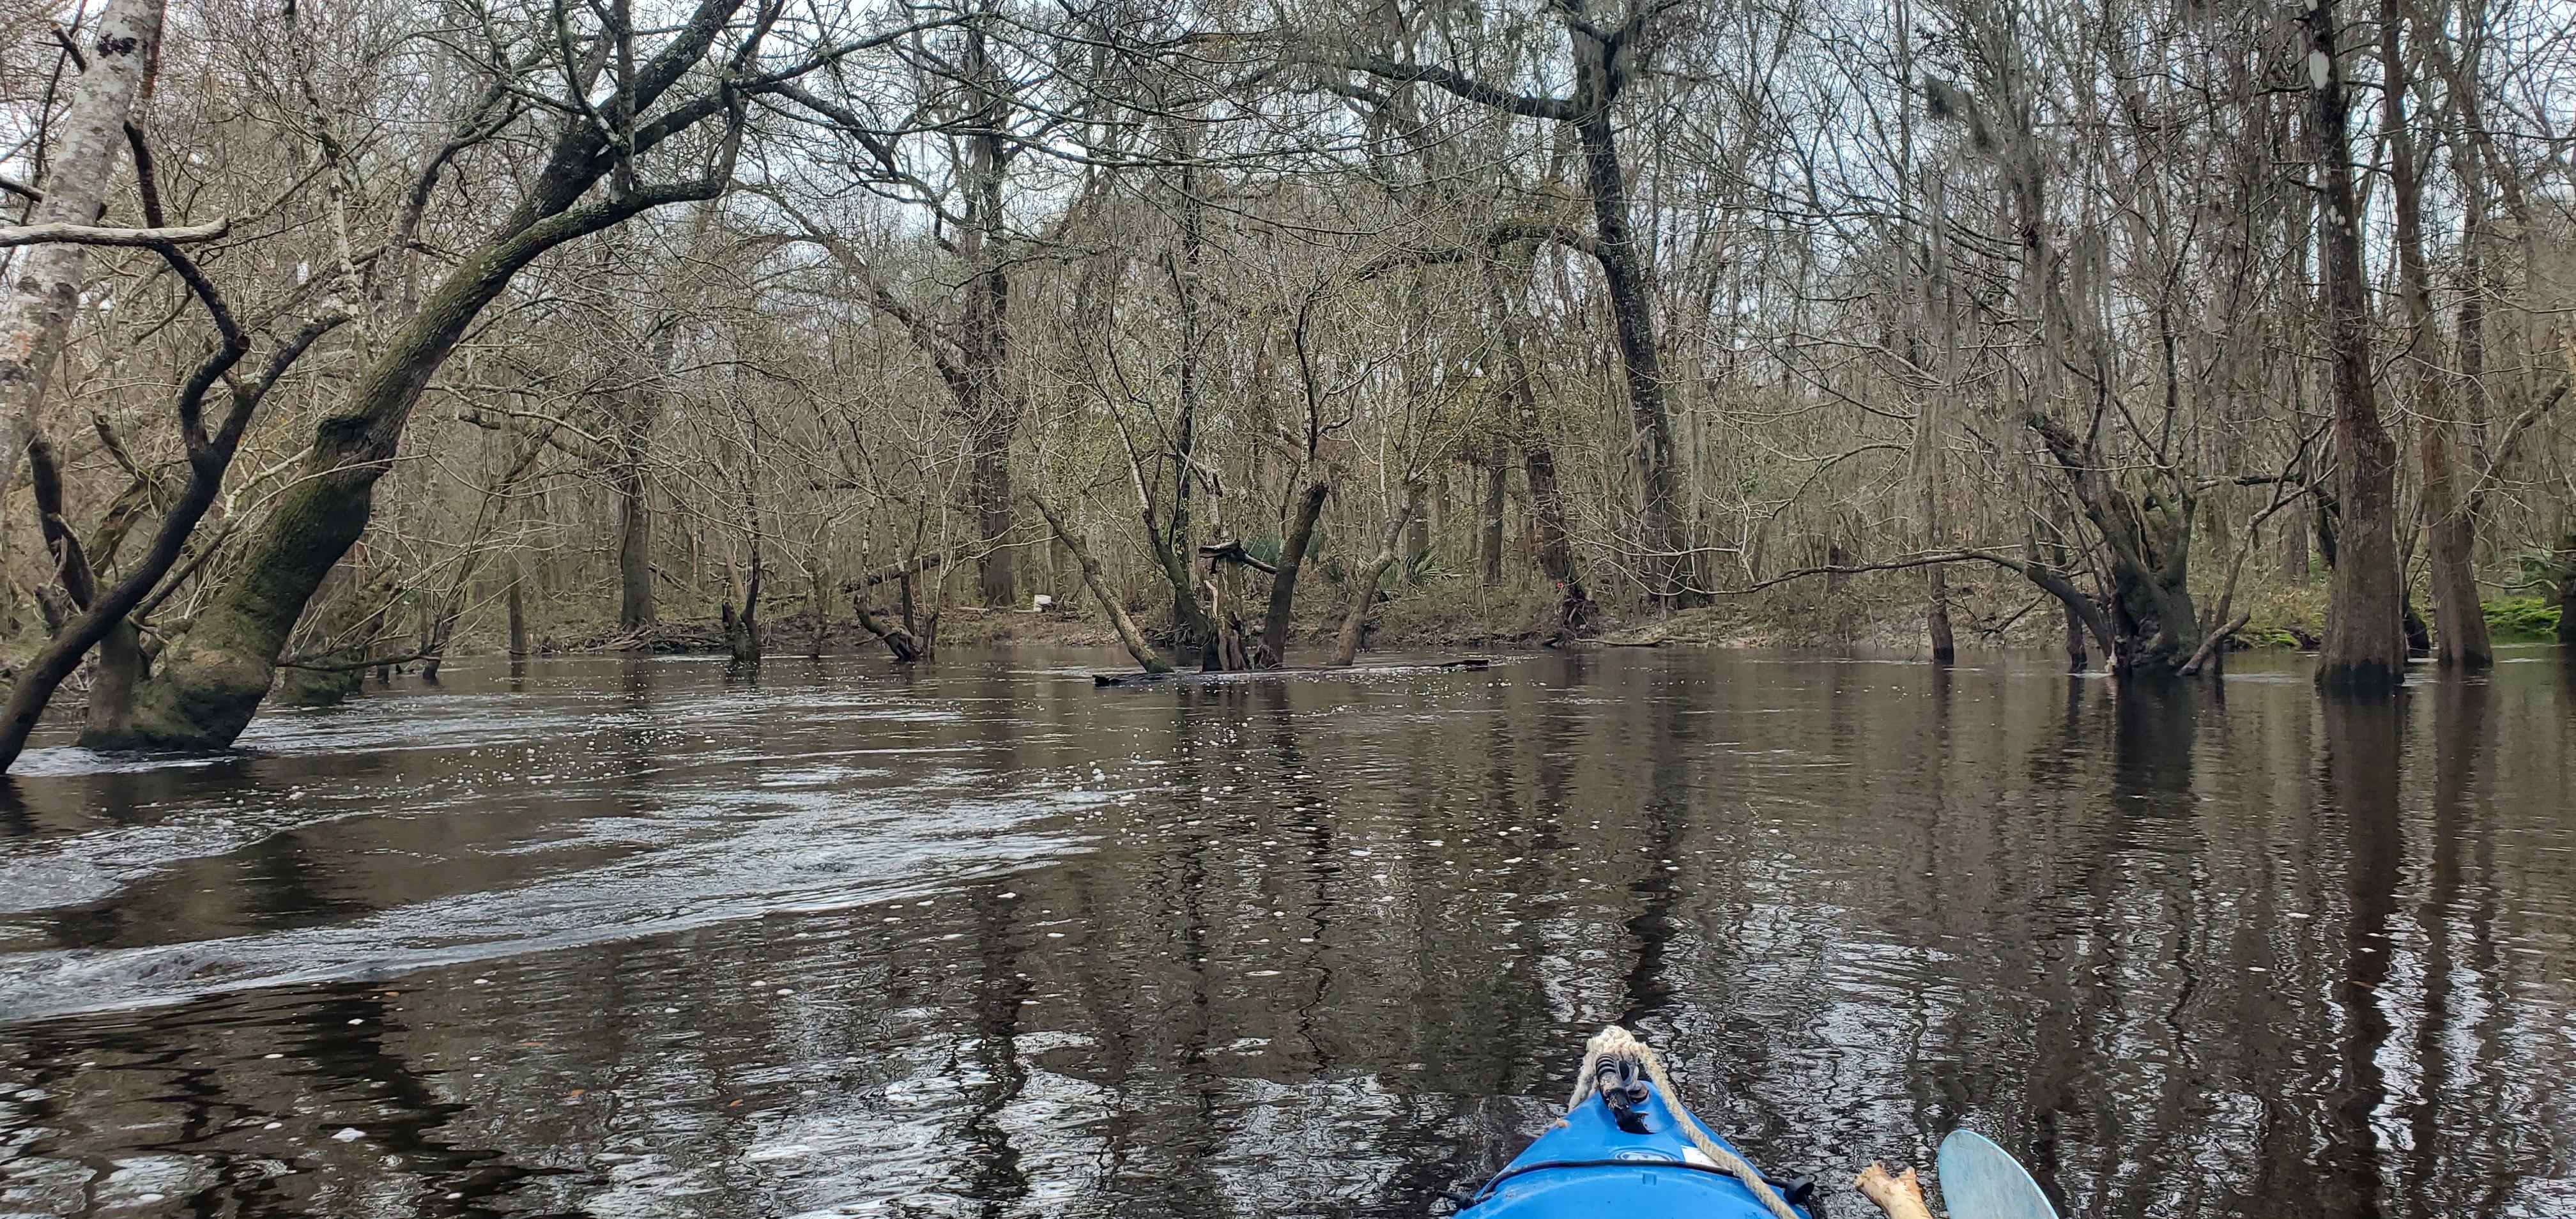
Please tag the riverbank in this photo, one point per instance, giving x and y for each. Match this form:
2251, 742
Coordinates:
1877, 610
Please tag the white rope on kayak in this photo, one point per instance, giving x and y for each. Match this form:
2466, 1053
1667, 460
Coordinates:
1614, 1044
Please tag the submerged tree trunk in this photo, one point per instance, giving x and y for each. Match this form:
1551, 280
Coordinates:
905, 646
1936, 619
44, 288
2149, 540
2364, 648
1228, 653
1355, 616
2077, 658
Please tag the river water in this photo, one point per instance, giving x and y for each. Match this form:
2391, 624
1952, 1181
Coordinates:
658, 938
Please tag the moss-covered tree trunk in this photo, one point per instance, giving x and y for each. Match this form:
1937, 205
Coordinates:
212, 679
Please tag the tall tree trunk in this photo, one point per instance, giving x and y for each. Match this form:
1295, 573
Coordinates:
637, 412
1929, 532
984, 338
1555, 538
2294, 544
1498, 472
992, 404
997, 573
2450, 534
2565, 558
1173, 539
44, 287
634, 550
1355, 616
1283, 586
1600, 74
2364, 647
518, 612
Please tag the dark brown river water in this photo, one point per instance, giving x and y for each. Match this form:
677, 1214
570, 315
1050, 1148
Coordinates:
654, 939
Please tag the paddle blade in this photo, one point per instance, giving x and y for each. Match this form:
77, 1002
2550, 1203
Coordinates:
1982, 1181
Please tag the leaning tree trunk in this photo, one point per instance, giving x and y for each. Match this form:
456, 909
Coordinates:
1144, 654
211, 680
43, 291
1355, 616
1283, 585
2364, 647
104, 622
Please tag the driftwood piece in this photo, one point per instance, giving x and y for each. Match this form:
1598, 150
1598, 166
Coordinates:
2217, 639
1219, 675
1900, 1196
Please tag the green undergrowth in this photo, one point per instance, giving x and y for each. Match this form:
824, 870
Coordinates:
2522, 619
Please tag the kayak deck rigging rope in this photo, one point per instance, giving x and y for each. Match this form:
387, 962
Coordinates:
1616, 1056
